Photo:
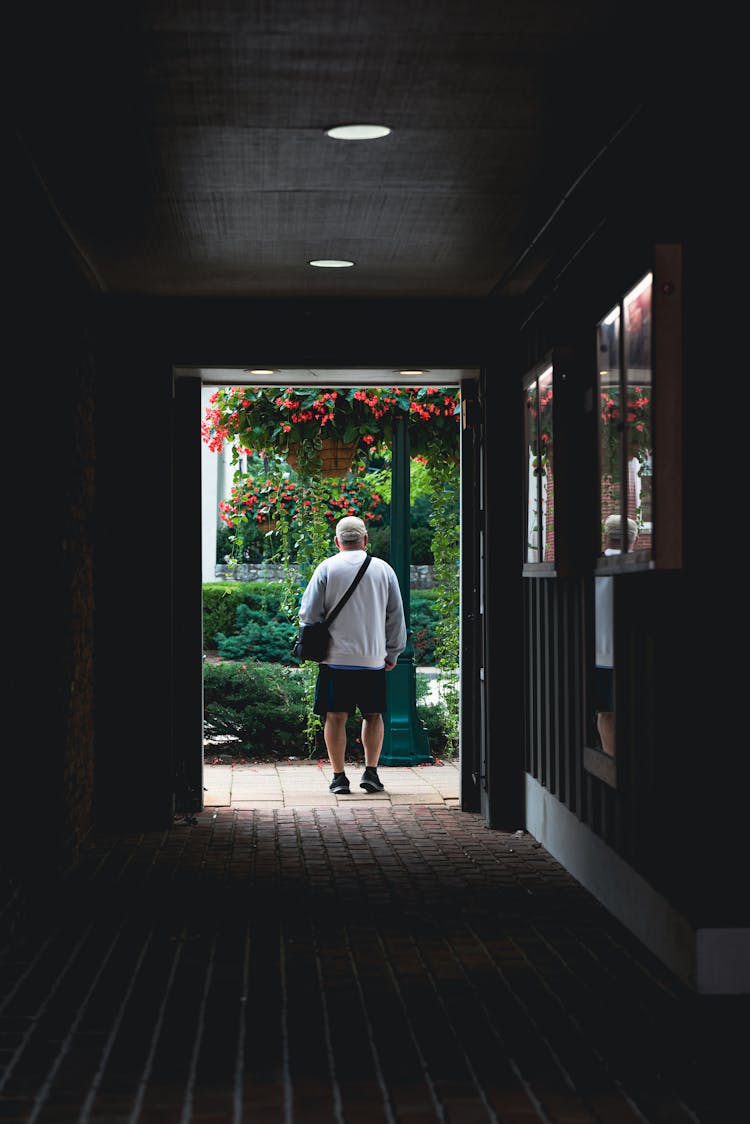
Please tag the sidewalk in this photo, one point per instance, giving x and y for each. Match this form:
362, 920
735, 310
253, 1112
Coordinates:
299, 783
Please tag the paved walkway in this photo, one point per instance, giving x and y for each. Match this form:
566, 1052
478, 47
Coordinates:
299, 783
363, 962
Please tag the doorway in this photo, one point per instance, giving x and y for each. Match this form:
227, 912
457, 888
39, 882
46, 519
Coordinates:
189, 385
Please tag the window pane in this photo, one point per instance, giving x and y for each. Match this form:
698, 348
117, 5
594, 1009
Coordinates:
540, 545
546, 444
638, 383
533, 516
610, 415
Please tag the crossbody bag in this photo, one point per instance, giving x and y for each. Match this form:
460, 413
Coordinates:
314, 640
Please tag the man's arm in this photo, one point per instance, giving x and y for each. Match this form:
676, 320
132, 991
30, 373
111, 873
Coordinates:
312, 605
395, 624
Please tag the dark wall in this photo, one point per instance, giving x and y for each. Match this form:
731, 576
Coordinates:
678, 772
145, 580
49, 758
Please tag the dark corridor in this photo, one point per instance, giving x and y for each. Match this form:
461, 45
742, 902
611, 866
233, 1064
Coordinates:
396, 965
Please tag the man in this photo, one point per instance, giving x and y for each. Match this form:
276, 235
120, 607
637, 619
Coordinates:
367, 637
604, 610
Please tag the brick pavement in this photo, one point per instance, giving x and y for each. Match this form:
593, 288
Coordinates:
369, 963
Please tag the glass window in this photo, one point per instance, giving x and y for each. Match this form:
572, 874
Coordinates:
624, 350
540, 479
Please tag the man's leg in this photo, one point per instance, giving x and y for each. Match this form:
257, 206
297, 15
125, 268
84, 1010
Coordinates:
605, 724
373, 732
334, 733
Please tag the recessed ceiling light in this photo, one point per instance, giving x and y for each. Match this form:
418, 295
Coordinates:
358, 132
413, 372
261, 371
331, 263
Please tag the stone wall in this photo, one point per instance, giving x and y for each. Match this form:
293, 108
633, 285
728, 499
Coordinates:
422, 577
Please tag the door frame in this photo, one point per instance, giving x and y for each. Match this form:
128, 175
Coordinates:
187, 577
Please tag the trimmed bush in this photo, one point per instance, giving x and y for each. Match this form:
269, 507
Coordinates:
243, 620
268, 641
262, 709
221, 601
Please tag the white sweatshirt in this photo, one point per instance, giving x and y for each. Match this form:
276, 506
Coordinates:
371, 627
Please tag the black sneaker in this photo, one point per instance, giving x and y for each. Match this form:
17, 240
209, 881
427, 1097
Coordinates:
371, 782
339, 784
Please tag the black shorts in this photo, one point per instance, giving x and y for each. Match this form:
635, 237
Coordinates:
339, 690
604, 689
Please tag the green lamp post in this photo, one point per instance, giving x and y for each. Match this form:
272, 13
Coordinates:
405, 741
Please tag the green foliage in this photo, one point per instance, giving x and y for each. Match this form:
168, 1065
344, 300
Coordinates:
423, 624
221, 600
264, 709
276, 422
251, 545
446, 508
379, 542
257, 636
379, 478
258, 620
244, 620
263, 506
434, 718
420, 543
421, 547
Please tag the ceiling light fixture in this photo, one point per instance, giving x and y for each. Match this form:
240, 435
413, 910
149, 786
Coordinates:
331, 263
261, 371
358, 132
413, 372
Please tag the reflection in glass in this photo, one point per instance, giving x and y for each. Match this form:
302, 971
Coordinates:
625, 455
604, 686
610, 415
540, 533
638, 429
625, 419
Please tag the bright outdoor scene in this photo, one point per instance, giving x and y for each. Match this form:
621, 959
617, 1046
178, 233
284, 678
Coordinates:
286, 464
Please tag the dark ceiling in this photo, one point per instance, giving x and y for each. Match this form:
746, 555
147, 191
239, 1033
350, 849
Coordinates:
182, 144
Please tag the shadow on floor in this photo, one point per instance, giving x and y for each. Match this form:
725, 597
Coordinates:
350, 964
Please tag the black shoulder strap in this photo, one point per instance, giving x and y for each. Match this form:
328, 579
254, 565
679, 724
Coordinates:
336, 609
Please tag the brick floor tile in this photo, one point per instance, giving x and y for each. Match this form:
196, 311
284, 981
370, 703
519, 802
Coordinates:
349, 961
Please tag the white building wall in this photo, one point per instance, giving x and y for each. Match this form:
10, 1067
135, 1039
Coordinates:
216, 483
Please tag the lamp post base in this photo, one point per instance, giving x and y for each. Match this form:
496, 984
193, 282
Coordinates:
405, 741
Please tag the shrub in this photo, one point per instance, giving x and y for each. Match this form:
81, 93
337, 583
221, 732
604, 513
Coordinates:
421, 547
221, 600
422, 618
245, 620
432, 717
257, 637
420, 544
264, 709
379, 541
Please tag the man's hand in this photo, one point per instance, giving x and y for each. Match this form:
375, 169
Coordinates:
389, 666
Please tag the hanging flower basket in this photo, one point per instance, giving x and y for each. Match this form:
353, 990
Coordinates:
335, 457
298, 423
